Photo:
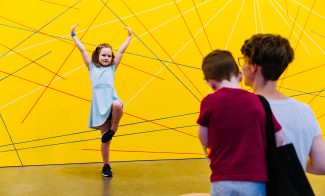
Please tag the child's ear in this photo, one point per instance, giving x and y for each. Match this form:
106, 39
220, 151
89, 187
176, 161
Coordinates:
212, 84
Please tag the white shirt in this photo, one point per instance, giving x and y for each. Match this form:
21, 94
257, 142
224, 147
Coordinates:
299, 125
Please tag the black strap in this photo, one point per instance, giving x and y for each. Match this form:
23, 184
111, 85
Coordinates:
270, 137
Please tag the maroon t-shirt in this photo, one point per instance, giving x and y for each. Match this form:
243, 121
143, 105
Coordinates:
236, 124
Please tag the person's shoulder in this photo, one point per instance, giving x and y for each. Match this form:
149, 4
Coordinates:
113, 67
207, 98
249, 94
91, 65
246, 93
299, 104
293, 104
239, 91
234, 94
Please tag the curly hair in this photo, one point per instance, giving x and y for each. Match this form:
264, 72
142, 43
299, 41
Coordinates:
95, 55
219, 65
272, 52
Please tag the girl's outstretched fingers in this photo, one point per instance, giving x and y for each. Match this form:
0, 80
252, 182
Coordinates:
73, 29
129, 31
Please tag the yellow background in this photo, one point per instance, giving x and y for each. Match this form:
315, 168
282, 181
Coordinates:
159, 112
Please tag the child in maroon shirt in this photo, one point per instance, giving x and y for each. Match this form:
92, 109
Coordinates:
232, 125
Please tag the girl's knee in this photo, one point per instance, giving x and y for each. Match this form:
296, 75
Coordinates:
117, 105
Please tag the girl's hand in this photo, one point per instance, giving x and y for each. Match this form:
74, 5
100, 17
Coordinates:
73, 29
129, 31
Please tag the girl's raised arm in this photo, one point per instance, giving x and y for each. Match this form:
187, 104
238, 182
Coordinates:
123, 47
79, 45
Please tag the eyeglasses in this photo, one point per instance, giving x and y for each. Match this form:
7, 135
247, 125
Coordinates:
241, 61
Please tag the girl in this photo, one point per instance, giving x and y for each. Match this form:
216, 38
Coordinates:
106, 107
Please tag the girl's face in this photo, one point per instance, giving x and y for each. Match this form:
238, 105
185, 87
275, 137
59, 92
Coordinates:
105, 56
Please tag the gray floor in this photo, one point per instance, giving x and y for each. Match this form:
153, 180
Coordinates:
173, 177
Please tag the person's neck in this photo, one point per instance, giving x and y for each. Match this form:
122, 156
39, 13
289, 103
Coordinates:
233, 83
268, 90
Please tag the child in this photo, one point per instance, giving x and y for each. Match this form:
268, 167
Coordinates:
106, 107
232, 124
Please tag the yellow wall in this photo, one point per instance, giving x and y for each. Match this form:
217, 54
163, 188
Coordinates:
54, 130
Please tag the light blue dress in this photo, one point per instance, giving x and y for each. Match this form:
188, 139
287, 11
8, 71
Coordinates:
103, 94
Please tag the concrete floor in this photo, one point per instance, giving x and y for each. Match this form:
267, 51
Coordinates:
168, 177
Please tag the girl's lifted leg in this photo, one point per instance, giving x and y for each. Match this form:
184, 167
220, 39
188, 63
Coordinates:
117, 112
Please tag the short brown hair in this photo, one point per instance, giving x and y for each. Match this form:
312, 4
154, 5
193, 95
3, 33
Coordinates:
219, 65
95, 55
272, 52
